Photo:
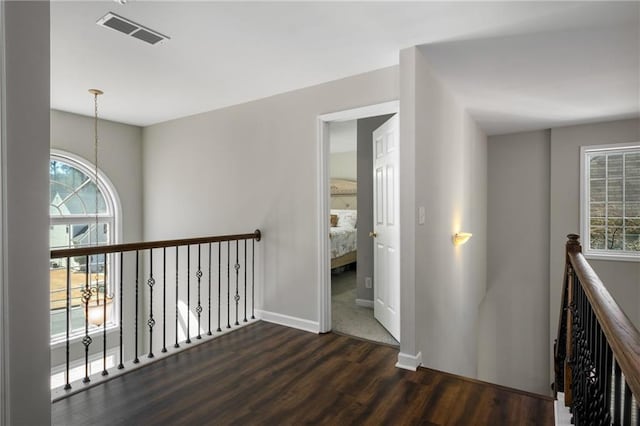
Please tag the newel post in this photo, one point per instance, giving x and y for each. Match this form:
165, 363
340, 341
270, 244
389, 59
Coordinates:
572, 246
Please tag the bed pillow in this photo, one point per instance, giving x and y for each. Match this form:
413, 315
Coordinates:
346, 218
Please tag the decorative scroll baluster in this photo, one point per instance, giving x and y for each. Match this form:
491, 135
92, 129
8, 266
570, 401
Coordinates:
188, 295
67, 385
164, 300
253, 269
245, 281
86, 340
199, 307
104, 316
236, 297
121, 308
176, 344
151, 322
135, 321
219, 283
228, 284
209, 293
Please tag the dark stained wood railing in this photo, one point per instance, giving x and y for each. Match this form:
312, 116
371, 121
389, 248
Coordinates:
104, 274
597, 352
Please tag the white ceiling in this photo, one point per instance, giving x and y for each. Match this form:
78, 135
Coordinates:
518, 65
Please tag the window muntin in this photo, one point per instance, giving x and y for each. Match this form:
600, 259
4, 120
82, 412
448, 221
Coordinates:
610, 212
73, 191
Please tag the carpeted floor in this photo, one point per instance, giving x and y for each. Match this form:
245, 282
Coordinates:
347, 317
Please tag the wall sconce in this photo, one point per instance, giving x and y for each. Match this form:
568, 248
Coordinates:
461, 237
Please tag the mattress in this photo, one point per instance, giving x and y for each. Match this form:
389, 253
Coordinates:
343, 240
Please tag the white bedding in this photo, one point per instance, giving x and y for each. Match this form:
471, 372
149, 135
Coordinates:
343, 240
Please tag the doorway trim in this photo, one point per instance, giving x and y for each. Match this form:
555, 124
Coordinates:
322, 224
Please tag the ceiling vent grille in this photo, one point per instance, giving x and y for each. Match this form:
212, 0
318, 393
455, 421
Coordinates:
130, 28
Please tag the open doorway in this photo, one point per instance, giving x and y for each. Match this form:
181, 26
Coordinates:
349, 294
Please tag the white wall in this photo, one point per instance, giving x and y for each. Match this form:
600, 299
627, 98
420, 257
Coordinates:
343, 165
254, 166
25, 214
450, 182
534, 196
514, 320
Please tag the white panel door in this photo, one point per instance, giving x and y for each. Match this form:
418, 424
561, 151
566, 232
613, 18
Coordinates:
386, 231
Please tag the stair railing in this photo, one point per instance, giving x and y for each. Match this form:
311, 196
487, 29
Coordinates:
179, 290
597, 352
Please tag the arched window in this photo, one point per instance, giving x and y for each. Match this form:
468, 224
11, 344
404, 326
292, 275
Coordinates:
73, 198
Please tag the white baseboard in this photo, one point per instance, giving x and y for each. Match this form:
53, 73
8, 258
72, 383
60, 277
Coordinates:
409, 362
288, 321
364, 303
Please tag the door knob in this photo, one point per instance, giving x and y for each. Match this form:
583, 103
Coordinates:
373, 234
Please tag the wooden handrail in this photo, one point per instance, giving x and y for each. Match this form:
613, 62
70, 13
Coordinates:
621, 334
117, 248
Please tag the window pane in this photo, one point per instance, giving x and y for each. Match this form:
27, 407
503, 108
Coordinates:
615, 210
72, 191
632, 209
597, 166
632, 164
597, 190
632, 189
614, 165
614, 188
614, 242
597, 210
59, 236
597, 238
632, 239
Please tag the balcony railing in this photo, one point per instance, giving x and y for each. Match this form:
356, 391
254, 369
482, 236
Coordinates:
597, 352
163, 296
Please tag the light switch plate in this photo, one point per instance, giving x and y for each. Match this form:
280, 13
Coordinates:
421, 215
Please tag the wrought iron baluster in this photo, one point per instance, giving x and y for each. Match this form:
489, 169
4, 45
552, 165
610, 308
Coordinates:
164, 300
626, 417
68, 306
104, 316
608, 381
86, 340
135, 322
209, 293
176, 345
228, 284
188, 295
219, 282
253, 269
236, 297
151, 322
617, 393
121, 308
245, 281
199, 307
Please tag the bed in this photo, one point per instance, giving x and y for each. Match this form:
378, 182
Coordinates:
343, 236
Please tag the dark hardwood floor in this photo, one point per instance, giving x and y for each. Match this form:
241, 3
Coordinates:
267, 374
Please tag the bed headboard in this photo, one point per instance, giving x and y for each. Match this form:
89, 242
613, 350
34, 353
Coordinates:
343, 193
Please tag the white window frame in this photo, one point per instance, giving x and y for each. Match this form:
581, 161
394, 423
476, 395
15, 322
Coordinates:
112, 217
589, 253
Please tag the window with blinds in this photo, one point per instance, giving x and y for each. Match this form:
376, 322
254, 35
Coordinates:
610, 212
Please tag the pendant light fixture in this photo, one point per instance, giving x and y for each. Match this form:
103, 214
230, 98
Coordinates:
96, 312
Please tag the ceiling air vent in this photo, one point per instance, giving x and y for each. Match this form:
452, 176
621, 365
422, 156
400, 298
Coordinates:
130, 28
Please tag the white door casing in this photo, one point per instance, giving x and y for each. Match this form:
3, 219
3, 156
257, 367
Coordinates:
386, 229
